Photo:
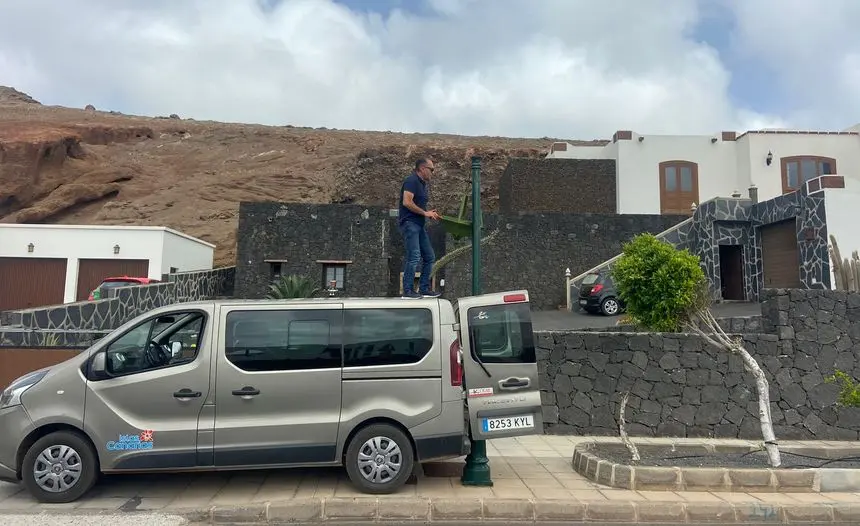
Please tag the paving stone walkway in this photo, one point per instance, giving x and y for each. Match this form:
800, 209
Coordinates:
533, 479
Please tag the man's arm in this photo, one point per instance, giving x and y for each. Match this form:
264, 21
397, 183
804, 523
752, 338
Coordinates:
408, 202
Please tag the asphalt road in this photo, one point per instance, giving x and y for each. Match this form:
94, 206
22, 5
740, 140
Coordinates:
559, 320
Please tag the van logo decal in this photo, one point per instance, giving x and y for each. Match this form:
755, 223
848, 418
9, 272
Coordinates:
144, 440
481, 391
481, 316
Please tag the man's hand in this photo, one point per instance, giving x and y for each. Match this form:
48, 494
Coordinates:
432, 214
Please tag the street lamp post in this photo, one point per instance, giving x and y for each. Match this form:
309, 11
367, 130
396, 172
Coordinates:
477, 469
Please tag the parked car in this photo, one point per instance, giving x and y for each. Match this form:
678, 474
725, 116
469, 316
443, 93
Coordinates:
375, 385
122, 281
598, 294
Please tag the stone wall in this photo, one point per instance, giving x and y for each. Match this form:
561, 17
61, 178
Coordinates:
532, 251
681, 386
577, 186
121, 305
731, 324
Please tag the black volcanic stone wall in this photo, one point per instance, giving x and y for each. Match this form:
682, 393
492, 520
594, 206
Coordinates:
299, 235
532, 251
680, 386
577, 186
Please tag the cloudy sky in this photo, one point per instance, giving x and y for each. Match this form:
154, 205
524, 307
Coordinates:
560, 68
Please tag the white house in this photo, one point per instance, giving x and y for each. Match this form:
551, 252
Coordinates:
52, 264
668, 173
840, 209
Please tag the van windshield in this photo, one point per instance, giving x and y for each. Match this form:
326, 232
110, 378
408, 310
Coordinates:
502, 333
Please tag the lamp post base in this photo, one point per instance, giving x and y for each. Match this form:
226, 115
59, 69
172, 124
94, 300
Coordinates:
477, 469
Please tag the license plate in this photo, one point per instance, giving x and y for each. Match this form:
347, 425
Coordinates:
583, 302
509, 422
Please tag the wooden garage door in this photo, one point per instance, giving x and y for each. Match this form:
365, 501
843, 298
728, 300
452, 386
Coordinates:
31, 282
780, 255
91, 272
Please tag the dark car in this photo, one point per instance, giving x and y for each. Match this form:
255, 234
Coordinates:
597, 294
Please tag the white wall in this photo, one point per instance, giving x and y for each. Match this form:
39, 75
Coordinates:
845, 149
185, 253
724, 166
639, 169
841, 207
74, 242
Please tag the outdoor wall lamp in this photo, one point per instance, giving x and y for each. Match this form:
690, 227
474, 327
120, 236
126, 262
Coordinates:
31, 247
769, 157
713, 140
116, 249
641, 138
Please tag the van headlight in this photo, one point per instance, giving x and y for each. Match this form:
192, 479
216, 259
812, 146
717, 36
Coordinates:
12, 394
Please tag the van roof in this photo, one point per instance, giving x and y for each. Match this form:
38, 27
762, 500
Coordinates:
314, 301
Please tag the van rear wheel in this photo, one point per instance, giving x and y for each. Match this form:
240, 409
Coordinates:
59, 468
379, 459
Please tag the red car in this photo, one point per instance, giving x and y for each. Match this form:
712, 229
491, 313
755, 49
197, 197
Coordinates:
122, 281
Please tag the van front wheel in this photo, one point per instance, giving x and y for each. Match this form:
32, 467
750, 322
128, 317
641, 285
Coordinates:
59, 468
379, 459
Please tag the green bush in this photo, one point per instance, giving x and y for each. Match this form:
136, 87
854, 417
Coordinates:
849, 396
292, 287
660, 285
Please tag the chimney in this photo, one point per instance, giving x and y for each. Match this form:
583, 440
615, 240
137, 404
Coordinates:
753, 193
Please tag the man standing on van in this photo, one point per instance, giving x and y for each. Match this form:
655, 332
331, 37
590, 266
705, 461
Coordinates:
416, 241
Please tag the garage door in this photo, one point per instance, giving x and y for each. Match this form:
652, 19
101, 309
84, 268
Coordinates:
780, 255
31, 282
91, 272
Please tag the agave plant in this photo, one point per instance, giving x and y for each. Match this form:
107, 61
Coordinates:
291, 287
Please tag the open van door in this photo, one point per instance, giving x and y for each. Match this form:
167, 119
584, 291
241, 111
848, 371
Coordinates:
499, 365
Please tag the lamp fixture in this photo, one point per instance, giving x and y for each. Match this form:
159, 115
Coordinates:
641, 138
769, 158
713, 140
116, 249
31, 247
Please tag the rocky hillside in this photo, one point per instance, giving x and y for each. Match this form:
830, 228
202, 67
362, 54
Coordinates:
63, 165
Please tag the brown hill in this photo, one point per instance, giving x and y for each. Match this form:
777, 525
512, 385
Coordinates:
63, 165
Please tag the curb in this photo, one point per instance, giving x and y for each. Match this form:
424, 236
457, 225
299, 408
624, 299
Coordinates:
440, 510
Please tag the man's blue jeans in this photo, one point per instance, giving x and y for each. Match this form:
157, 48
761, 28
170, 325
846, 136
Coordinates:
417, 244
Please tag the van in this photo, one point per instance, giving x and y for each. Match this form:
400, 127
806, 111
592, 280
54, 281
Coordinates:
376, 385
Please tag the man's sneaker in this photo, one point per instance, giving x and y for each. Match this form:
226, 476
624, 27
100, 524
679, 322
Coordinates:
431, 294
411, 295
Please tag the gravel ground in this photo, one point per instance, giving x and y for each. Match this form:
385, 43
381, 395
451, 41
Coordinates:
666, 458
125, 519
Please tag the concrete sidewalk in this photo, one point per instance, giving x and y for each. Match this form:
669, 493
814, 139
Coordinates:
533, 482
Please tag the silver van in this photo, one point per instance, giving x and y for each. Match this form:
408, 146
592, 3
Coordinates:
376, 385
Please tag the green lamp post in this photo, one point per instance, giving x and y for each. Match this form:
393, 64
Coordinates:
477, 469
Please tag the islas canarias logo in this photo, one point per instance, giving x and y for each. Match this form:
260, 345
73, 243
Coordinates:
143, 440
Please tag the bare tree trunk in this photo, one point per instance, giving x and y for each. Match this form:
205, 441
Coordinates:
720, 339
634, 451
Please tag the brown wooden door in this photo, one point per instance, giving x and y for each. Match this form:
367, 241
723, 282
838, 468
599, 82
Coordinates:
780, 255
91, 272
31, 282
679, 187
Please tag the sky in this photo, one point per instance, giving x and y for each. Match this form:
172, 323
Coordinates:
576, 69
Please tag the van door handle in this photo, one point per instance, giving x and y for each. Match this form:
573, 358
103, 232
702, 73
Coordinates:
246, 391
514, 383
187, 393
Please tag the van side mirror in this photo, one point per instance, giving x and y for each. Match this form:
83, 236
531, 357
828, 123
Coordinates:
98, 366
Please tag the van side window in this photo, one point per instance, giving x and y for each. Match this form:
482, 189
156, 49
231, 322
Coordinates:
283, 340
166, 341
386, 336
502, 333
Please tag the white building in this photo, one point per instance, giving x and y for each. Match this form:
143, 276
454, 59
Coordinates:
662, 174
53, 264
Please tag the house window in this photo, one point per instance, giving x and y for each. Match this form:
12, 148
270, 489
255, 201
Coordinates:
797, 170
275, 271
679, 187
334, 273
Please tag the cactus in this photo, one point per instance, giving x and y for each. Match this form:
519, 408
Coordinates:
846, 271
